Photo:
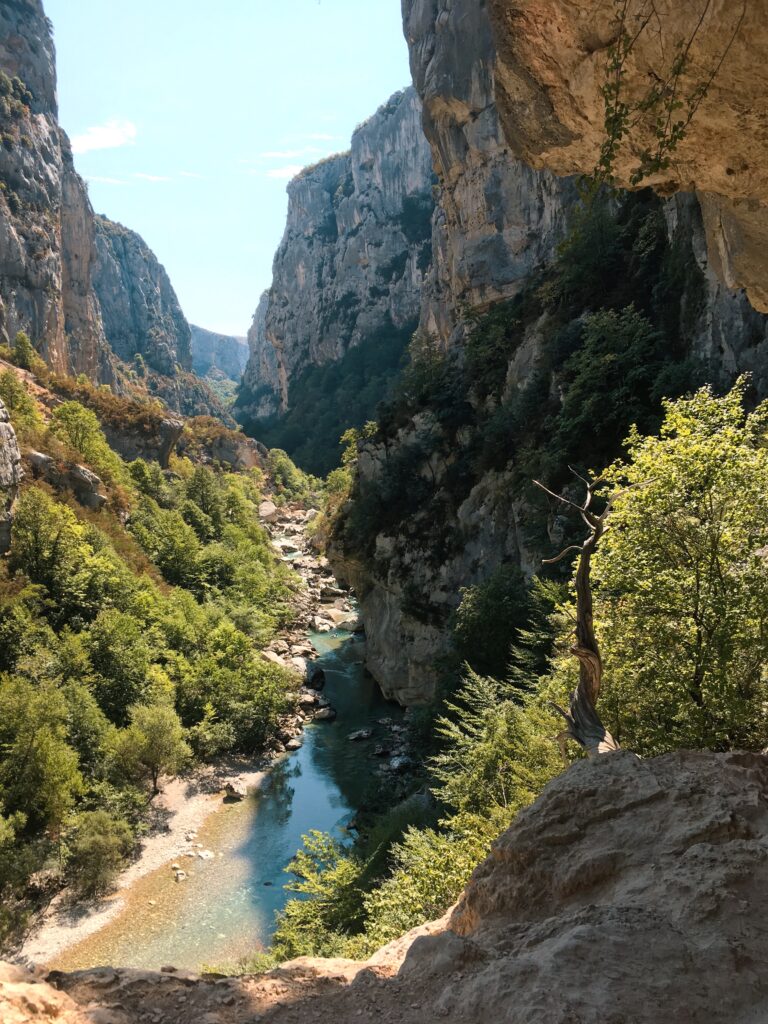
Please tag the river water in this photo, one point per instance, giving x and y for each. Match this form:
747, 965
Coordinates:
225, 910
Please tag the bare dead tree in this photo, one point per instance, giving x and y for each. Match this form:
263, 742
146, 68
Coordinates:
583, 721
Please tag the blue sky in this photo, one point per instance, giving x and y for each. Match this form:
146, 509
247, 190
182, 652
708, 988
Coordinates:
188, 118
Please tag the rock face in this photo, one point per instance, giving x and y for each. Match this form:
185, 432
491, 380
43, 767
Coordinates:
218, 353
139, 308
10, 476
46, 220
550, 67
353, 257
630, 891
154, 442
89, 293
497, 220
71, 476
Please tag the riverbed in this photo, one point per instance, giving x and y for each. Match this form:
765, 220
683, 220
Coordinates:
225, 909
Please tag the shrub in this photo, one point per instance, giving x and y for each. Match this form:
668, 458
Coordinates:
97, 849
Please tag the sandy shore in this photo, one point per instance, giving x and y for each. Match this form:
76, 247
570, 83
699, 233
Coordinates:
178, 811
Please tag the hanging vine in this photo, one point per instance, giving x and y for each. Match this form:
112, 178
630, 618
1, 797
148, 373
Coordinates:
667, 107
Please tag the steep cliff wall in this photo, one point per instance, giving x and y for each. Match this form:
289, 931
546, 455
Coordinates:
498, 222
90, 293
10, 476
139, 308
218, 353
550, 69
46, 220
352, 261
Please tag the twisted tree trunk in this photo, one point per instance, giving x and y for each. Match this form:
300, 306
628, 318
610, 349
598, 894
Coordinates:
583, 721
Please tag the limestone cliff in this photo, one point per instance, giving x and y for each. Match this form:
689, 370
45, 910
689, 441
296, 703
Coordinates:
351, 264
90, 293
139, 308
46, 220
497, 224
10, 476
497, 220
629, 891
549, 72
221, 354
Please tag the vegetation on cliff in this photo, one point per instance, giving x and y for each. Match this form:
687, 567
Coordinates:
129, 644
328, 400
681, 612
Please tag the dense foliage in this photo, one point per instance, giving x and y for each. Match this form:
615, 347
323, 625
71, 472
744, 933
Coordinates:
327, 400
682, 581
681, 604
129, 644
602, 336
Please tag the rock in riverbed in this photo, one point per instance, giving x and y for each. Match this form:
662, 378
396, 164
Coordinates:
360, 734
234, 789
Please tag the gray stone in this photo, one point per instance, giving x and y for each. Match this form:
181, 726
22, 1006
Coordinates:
234, 789
11, 475
352, 259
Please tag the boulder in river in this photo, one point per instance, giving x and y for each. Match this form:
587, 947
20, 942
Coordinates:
295, 743
315, 676
268, 512
326, 714
360, 734
352, 623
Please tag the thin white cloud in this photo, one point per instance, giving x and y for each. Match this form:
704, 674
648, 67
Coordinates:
192, 174
151, 177
110, 135
106, 181
289, 154
322, 137
289, 171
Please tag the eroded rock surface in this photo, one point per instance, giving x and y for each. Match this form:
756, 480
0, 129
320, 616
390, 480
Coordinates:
11, 475
550, 68
46, 220
139, 308
352, 260
497, 220
629, 891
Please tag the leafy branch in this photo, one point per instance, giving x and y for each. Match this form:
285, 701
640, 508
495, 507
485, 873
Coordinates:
666, 107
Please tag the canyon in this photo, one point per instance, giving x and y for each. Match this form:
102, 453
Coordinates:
88, 292
631, 888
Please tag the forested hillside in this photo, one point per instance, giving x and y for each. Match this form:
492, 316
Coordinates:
134, 601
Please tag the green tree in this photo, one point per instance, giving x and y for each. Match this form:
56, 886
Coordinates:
24, 354
26, 418
97, 850
681, 581
46, 539
203, 491
79, 427
39, 775
152, 745
120, 655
